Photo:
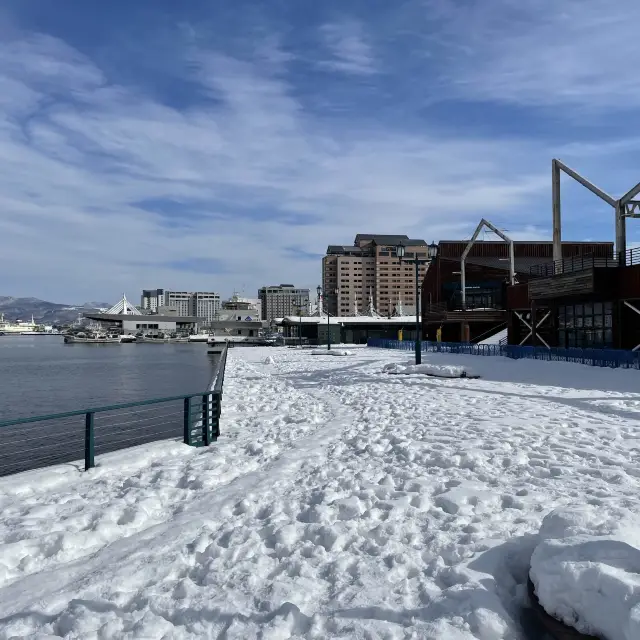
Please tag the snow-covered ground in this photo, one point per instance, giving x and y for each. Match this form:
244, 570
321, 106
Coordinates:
339, 502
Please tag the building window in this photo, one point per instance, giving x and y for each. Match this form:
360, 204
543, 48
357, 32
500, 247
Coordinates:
586, 325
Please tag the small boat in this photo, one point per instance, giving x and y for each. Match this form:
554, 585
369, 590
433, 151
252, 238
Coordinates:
200, 337
127, 337
162, 338
92, 338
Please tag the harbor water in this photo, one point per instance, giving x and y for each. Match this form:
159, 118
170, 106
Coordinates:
41, 375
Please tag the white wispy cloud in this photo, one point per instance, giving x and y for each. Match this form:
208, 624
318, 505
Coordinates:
351, 53
570, 54
257, 173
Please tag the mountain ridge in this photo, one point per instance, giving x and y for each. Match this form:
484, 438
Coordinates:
43, 311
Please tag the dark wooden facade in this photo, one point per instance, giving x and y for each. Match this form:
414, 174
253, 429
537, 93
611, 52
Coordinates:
487, 277
441, 308
596, 307
488, 294
542, 250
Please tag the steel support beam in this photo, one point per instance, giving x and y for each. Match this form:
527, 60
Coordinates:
631, 194
634, 308
465, 253
587, 184
537, 326
624, 207
621, 233
557, 218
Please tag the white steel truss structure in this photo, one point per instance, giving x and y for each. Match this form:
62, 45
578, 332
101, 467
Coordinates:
124, 308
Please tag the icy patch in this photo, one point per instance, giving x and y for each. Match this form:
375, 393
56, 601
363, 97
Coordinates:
331, 352
439, 370
586, 570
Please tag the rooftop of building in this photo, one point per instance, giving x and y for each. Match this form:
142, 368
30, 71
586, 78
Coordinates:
342, 320
390, 239
149, 317
283, 286
365, 242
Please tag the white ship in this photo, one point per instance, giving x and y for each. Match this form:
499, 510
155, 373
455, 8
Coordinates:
19, 327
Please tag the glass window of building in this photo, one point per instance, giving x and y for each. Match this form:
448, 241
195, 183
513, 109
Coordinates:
586, 325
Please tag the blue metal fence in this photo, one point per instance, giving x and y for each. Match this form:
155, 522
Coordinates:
614, 358
41, 441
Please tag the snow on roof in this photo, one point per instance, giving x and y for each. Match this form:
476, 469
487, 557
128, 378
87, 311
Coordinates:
346, 320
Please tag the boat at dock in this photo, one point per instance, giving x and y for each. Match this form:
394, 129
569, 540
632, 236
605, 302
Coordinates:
18, 328
200, 337
162, 338
98, 338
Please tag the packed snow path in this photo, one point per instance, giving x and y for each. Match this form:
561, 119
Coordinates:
340, 502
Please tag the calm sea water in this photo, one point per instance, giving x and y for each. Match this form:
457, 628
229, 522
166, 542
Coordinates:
42, 375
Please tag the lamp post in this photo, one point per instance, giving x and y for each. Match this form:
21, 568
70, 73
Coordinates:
319, 291
432, 251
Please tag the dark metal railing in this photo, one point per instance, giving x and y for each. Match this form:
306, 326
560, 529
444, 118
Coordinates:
41, 441
614, 358
574, 264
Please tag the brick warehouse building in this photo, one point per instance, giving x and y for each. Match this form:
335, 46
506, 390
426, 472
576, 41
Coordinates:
487, 284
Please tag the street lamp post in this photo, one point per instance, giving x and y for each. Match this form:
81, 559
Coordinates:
319, 291
432, 251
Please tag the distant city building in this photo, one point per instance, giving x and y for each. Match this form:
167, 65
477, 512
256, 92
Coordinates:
203, 304
238, 303
181, 301
352, 276
151, 299
206, 305
283, 300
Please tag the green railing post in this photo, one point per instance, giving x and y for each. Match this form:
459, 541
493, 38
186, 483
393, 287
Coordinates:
89, 450
187, 421
215, 415
205, 420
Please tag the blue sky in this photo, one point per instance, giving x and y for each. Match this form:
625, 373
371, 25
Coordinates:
221, 146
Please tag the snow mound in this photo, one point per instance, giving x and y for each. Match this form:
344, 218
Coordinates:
269, 360
439, 370
586, 570
331, 352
